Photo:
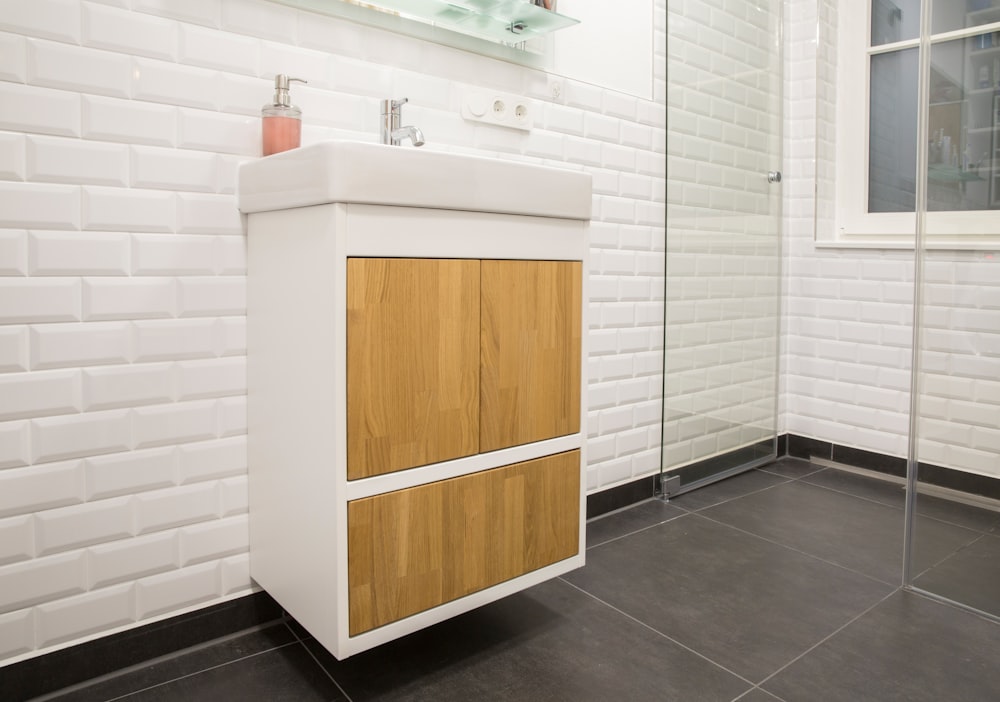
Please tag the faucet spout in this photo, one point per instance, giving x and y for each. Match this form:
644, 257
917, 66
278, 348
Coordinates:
390, 131
412, 133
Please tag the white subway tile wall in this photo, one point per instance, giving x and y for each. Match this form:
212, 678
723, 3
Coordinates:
123, 491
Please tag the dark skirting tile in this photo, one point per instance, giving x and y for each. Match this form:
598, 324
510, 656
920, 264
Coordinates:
184, 663
894, 494
804, 447
746, 603
859, 534
791, 468
727, 489
109, 654
286, 674
617, 524
551, 642
859, 458
605, 501
907, 648
970, 576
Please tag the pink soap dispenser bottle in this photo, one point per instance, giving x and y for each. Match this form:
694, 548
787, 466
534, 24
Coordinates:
281, 121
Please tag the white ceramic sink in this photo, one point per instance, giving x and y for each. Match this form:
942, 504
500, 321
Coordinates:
374, 174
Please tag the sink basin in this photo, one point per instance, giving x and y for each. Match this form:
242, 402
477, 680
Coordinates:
375, 174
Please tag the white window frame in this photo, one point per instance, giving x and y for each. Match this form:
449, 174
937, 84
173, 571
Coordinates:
853, 225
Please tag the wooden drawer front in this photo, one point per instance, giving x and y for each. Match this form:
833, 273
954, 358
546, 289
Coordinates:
413, 363
414, 549
530, 382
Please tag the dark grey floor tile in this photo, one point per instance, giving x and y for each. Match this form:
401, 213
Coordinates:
758, 695
551, 642
970, 576
790, 467
741, 601
856, 533
737, 486
617, 524
183, 663
286, 674
908, 648
894, 494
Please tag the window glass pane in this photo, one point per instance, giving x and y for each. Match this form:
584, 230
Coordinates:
964, 126
948, 15
892, 132
896, 20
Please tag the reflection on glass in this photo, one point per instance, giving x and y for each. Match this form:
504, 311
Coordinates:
948, 15
892, 132
964, 125
895, 20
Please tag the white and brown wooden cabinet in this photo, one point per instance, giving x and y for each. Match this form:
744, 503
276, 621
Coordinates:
415, 408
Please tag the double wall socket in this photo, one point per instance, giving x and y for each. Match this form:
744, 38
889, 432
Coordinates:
501, 109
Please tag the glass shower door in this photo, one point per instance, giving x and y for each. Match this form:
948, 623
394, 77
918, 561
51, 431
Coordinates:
723, 241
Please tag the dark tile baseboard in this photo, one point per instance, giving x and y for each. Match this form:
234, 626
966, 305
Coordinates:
70, 666
971, 483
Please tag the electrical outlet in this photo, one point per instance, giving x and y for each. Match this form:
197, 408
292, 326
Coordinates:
499, 109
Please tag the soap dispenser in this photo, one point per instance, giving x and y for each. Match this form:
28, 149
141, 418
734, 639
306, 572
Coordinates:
281, 121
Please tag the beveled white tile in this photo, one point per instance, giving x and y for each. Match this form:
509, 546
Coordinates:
208, 214
59, 160
40, 205
212, 296
90, 613
109, 387
13, 252
17, 633
13, 349
204, 12
225, 51
233, 336
214, 540
39, 394
173, 254
130, 472
33, 300
54, 19
259, 19
129, 32
15, 448
17, 539
128, 209
220, 133
174, 339
91, 343
79, 69
175, 423
42, 579
173, 507
234, 495
172, 84
129, 298
80, 435
231, 255
219, 458
174, 169
132, 559
13, 57
73, 527
215, 377
236, 574
232, 416
78, 253
12, 159
109, 119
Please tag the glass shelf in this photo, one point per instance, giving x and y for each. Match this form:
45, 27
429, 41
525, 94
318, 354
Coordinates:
503, 21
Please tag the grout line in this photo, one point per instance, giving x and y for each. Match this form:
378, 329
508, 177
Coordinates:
199, 672
800, 551
828, 637
157, 660
638, 531
654, 630
316, 660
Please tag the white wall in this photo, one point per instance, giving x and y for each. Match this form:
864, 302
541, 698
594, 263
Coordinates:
848, 340
122, 278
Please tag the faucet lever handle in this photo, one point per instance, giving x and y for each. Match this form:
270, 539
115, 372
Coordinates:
396, 104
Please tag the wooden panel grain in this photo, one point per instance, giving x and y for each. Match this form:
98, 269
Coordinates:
412, 363
530, 348
414, 549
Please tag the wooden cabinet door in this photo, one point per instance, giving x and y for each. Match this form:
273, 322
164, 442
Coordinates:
417, 548
412, 363
530, 347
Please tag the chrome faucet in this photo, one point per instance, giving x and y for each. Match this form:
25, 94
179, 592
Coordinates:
390, 131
